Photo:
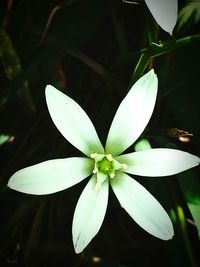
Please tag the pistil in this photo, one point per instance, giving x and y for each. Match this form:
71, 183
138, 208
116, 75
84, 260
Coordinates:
105, 167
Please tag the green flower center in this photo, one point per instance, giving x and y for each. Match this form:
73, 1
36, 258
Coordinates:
105, 167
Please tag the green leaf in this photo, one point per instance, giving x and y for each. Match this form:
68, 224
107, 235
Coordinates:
189, 15
190, 186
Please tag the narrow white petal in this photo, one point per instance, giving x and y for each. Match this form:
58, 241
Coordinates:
72, 121
165, 13
144, 209
159, 162
51, 176
133, 114
89, 214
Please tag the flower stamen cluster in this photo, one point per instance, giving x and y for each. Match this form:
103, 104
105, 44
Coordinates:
105, 167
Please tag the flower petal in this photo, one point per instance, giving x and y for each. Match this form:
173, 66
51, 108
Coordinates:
144, 209
159, 162
72, 121
51, 176
89, 214
133, 114
164, 12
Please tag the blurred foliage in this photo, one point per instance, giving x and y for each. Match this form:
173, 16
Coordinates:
189, 15
93, 51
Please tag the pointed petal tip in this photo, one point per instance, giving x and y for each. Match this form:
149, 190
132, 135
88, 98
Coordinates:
12, 182
9, 185
144, 209
152, 71
51, 176
166, 232
168, 235
77, 251
77, 248
49, 89
49, 86
159, 162
151, 77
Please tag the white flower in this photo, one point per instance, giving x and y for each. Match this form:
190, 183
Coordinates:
165, 13
106, 165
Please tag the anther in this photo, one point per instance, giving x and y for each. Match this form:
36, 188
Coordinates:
109, 157
124, 166
95, 170
93, 155
112, 175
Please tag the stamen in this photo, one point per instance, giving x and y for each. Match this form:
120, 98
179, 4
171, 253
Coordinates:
109, 157
124, 166
105, 167
93, 155
116, 165
95, 170
112, 175
97, 157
